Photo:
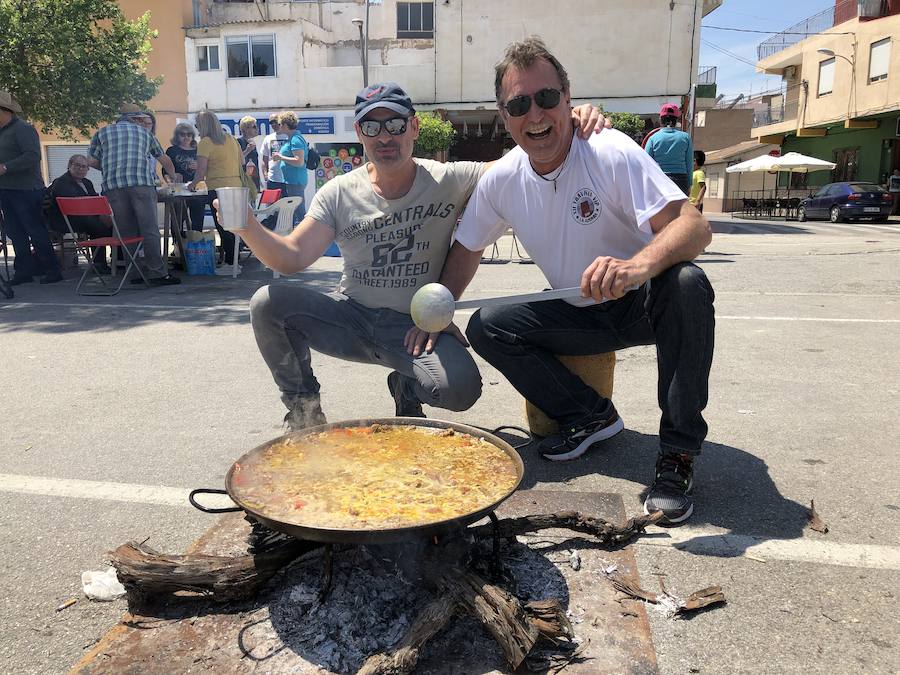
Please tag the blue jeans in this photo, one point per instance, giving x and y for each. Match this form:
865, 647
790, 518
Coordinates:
674, 312
24, 222
289, 320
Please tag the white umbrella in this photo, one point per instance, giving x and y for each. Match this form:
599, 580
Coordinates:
792, 162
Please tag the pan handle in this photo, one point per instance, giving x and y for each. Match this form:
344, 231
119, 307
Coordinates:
210, 491
524, 431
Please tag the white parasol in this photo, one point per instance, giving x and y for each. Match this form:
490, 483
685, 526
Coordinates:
792, 162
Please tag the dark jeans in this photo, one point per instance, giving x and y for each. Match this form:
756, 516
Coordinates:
196, 208
25, 227
675, 312
94, 228
682, 181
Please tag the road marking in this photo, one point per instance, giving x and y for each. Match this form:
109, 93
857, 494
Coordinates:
89, 489
700, 541
215, 308
724, 545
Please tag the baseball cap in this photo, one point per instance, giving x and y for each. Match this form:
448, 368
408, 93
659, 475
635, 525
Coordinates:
669, 110
383, 95
8, 102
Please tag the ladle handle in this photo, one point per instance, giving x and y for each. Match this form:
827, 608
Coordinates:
555, 294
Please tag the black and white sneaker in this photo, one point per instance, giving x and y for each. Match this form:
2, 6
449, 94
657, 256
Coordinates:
573, 441
404, 403
672, 487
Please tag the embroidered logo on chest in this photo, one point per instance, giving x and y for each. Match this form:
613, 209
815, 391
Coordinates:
586, 206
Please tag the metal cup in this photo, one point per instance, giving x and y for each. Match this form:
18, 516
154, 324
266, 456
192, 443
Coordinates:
234, 207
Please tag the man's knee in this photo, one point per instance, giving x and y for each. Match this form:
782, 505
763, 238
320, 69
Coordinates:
686, 280
260, 306
462, 393
488, 327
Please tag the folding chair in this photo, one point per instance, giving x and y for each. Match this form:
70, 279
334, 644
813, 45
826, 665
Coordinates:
99, 206
285, 223
268, 197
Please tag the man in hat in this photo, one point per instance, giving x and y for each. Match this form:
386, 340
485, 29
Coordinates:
672, 148
597, 214
21, 196
122, 151
392, 219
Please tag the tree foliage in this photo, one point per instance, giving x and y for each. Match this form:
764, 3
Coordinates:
627, 123
435, 135
71, 64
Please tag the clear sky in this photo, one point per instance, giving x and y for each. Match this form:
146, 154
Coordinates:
733, 76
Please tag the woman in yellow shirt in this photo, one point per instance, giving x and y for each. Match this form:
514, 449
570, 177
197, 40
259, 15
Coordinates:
219, 164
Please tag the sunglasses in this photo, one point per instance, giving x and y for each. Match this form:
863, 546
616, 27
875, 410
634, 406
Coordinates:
519, 105
185, 133
396, 126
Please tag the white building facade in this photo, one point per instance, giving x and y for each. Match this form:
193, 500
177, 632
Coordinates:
255, 57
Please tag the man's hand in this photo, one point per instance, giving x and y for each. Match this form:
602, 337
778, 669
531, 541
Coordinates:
587, 120
277, 156
608, 278
417, 339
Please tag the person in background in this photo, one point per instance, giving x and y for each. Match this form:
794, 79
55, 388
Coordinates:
292, 156
698, 182
894, 190
22, 195
122, 151
219, 164
271, 169
183, 153
75, 183
249, 154
671, 148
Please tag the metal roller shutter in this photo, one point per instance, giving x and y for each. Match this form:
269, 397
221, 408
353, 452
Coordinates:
58, 162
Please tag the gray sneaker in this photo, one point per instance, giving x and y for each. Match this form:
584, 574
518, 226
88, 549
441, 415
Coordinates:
304, 412
671, 489
405, 405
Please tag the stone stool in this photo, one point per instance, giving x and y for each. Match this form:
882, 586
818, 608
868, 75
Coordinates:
597, 372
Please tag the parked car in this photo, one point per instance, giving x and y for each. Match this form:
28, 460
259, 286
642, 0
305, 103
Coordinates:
850, 200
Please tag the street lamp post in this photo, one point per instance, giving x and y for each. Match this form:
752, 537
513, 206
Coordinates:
363, 47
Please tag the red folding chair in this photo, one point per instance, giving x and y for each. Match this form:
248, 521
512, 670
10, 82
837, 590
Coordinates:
268, 197
99, 206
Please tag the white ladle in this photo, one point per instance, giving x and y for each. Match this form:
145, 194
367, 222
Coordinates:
432, 306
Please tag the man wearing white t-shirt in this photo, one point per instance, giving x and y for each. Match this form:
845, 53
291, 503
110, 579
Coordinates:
599, 214
271, 168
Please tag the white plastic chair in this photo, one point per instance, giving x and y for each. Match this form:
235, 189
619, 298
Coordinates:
285, 208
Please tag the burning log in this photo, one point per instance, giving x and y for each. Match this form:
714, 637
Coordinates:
144, 571
603, 531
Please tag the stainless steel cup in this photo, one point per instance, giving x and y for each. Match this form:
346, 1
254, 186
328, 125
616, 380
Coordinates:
234, 207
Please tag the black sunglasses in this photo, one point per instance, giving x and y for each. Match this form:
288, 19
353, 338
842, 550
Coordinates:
519, 105
185, 133
396, 126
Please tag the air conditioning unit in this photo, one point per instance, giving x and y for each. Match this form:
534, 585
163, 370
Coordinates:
869, 9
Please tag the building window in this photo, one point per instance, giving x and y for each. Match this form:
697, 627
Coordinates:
826, 76
251, 56
415, 20
712, 184
208, 57
879, 56
847, 162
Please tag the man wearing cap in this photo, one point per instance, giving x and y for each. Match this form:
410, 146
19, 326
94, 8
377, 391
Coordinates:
600, 215
122, 151
672, 148
21, 196
392, 219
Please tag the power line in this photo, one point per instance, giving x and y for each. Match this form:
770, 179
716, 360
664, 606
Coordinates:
728, 53
768, 32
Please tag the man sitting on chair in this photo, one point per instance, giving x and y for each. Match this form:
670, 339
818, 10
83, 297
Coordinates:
75, 183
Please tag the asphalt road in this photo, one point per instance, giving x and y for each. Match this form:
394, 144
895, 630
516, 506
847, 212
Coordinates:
115, 408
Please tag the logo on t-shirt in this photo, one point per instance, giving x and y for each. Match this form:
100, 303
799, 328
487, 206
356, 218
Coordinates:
586, 206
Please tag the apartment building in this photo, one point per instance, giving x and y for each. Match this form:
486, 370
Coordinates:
840, 98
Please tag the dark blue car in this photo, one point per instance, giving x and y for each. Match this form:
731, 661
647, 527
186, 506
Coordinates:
851, 200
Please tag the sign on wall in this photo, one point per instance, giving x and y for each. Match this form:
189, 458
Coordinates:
337, 159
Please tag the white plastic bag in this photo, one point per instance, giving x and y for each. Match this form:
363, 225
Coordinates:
102, 586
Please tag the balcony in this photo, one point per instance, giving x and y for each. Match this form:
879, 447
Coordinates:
790, 36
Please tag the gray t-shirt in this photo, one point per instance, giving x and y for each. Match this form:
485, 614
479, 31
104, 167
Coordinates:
392, 247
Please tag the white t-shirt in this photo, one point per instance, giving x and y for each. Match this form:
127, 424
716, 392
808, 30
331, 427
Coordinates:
600, 204
270, 145
393, 247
